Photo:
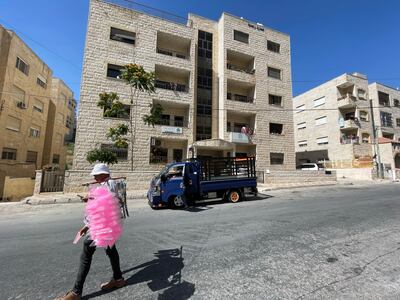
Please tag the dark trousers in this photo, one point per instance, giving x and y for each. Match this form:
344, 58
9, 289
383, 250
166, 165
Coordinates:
86, 260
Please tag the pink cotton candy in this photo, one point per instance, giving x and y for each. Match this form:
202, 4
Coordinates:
103, 212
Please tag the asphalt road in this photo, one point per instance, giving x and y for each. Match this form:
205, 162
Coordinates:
338, 242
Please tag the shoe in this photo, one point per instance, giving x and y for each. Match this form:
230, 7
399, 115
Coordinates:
113, 284
70, 296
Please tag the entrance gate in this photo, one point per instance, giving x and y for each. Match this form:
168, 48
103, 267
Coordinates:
52, 181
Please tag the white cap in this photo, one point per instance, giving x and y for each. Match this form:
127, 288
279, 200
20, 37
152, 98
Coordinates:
100, 169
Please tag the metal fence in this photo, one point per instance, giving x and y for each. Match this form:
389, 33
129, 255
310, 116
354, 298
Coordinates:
52, 181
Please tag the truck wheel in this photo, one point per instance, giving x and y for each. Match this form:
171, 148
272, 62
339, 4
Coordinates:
234, 196
177, 202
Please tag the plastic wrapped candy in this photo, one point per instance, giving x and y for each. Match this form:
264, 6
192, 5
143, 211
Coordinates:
104, 215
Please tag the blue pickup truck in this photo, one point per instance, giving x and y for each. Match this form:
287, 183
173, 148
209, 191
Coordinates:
228, 178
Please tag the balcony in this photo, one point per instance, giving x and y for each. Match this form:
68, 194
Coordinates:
240, 127
174, 118
172, 83
238, 91
172, 45
240, 66
347, 101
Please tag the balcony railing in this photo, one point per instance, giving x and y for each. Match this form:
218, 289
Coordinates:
171, 53
347, 96
174, 123
240, 98
240, 69
350, 140
171, 86
238, 137
158, 159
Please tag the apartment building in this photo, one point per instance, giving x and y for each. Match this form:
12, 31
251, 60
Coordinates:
386, 103
225, 87
333, 122
25, 107
60, 124
24, 101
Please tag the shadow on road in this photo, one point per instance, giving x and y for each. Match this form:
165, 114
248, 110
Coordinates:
162, 273
203, 206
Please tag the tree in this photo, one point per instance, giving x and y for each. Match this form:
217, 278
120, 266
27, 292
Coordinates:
139, 81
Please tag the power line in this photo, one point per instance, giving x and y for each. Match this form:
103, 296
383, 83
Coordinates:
214, 109
39, 44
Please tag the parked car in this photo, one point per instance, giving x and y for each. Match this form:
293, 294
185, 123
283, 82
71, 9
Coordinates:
311, 167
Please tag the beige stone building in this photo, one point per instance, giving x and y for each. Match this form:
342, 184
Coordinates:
333, 122
386, 103
60, 124
25, 107
225, 87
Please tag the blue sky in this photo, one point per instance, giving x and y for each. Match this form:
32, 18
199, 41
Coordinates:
328, 38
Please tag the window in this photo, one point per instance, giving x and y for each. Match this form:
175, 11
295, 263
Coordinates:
38, 106
276, 158
383, 99
31, 157
41, 81
9, 153
274, 73
178, 121
123, 36
398, 122
361, 94
274, 47
386, 119
122, 153
177, 154
322, 140
275, 128
240, 36
301, 125
302, 143
319, 102
320, 121
68, 122
114, 71
13, 123
275, 100
165, 120
34, 132
56, 158
158, 155
300, 108
364, 116
396, 103
18, 96
22, 66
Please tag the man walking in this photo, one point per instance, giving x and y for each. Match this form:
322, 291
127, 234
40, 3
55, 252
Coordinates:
102, 177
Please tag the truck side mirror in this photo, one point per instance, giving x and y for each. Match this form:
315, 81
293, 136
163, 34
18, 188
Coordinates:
163, 178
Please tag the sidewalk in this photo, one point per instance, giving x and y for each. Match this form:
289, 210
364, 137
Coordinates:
60, 198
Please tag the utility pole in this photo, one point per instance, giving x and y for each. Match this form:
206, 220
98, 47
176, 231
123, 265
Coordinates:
379, 168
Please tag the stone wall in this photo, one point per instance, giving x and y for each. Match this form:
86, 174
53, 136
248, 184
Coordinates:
135, 180
17, 188
298, 176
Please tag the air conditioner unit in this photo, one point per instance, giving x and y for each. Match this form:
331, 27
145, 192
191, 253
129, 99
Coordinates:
21, 105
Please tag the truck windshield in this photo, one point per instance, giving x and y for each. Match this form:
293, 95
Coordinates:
163, 171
